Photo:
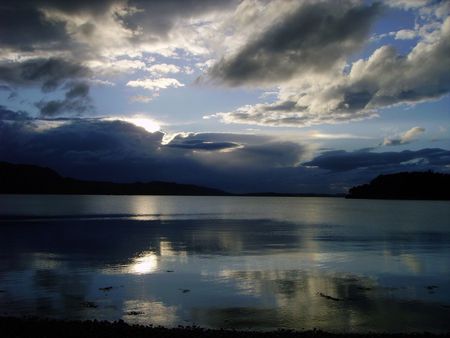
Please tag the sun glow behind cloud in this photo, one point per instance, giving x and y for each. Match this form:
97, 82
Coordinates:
142, 121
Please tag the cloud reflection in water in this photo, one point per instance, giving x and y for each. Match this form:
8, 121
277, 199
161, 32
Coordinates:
259, 273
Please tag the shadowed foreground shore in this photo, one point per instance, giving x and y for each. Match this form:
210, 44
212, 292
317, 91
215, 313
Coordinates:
35, 327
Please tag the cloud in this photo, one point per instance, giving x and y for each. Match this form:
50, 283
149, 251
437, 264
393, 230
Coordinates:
382, 80
49, 74
158, 18
287, 114
163, 68
120, 151
46, 42
113, 67
312, 39
156, 84
197, 142
11, 115
407, 4
76, 101
404, 138
24, 26
340, 160
100, 27
405, 34
114, 150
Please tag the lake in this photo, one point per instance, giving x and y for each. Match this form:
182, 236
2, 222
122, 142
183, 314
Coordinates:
228, 262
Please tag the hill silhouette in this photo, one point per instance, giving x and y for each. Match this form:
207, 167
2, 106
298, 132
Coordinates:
405, 185
31, 179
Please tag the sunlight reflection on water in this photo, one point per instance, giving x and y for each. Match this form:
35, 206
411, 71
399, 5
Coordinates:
300, 263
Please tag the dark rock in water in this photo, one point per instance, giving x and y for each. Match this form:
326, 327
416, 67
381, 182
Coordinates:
185, 290
135, 313
169, 271
431, 288
90, 305
329, 297
107, 288
364, 288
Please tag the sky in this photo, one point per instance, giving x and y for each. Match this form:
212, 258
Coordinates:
246, 96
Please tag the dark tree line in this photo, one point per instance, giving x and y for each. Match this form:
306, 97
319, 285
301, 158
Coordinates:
405, 185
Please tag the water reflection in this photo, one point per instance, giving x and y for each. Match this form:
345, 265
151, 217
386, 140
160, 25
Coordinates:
141, 312
145, 263
234, 273
335, 301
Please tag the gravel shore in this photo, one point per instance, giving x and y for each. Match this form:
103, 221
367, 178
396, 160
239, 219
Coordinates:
49, 328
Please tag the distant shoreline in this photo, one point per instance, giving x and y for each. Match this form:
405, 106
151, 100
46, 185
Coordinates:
52, 328
186, 195
25, 179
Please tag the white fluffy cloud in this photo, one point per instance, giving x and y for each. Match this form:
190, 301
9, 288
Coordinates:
405, 34
156, 84
163, 68
384, 79
313, 38
405, 137
299, 48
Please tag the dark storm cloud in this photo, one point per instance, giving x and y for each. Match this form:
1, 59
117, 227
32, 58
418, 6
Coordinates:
203, 145
384, 79
11, 115
341, 160
215, 141
59, 107
158, 17
47, 48
120, 151
254, 152
312, 39
77, 90
76, 101
224, 137
24, 26
274, 154
50, 75
46, 73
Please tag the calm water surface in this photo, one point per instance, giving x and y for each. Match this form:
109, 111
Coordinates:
240, 262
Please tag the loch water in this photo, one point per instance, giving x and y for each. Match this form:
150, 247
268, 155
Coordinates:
257, 263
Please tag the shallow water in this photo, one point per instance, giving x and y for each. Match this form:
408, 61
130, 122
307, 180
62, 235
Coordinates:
240, 262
